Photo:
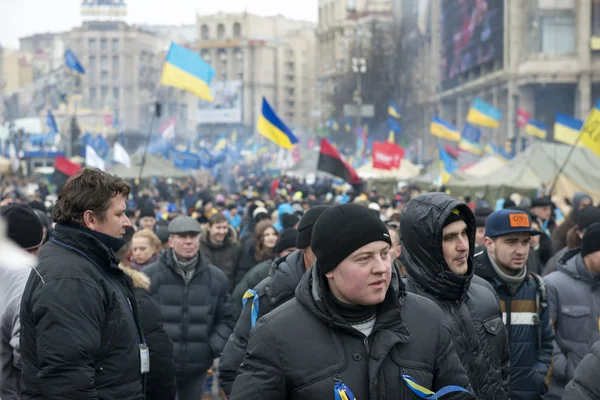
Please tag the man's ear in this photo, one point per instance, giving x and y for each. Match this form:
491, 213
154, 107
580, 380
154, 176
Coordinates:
90, 220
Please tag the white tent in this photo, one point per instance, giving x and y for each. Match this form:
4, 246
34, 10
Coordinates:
407, 170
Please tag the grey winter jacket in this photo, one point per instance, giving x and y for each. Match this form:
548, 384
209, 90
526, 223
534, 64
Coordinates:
15, 267
585, 384
574, 297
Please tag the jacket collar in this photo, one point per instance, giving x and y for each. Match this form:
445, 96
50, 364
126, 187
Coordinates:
166, 258
95, 245
286, 273
422, 253
310, 294
573, 265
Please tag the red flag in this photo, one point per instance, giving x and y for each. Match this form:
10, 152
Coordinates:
331, 161
523, 117
452, 151
63, 170
387, 155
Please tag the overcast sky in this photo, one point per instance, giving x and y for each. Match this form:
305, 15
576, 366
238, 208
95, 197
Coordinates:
25, 17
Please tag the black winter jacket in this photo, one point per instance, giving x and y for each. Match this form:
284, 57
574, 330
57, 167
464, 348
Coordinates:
470, 306
225, 255
79, 335
300, 350
252, 278
160, 382
273, 291
529, 357
585, 384
197, 316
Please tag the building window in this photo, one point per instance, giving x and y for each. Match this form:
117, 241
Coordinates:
115, 93
91, 68
92, 45
103, 62
104, 92
204, 32
93, 93
104, 76
552, 31
103, 44
220, 31
115, 45
115, 77
237, 30
115, 64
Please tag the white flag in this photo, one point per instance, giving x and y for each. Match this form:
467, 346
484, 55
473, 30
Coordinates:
14, 157
92, 159
120, 155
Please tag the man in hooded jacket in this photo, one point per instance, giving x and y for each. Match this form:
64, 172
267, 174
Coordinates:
438, 233
352, 328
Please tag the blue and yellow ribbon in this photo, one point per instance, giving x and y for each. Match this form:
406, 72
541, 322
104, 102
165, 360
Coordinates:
251, 294
425, 393
343, 392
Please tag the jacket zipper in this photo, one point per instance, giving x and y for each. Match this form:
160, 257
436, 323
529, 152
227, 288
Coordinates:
467, 345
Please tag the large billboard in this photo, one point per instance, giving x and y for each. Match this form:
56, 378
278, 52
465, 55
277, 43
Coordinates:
226, 107
472, 35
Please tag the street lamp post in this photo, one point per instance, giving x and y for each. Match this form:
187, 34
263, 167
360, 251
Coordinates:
359, 66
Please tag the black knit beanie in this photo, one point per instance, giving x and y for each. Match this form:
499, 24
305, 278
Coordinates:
289, 220
343, 229
454, 216
305, 227
287, 239
147, 212
591, 240
24, 225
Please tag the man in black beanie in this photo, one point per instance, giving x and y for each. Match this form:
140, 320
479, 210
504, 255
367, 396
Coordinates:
352, 328
284, 275
25, 227
574, 308
147, 218
438, 238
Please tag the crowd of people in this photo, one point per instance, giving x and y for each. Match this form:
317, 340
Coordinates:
271, 288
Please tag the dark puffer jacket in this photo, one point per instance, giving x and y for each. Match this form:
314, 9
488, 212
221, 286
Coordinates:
79, 330
575, 311
585, 384
529, 358
300, 350
252, 278
225, 255
273, 291
197, 316
470, 306
161, 382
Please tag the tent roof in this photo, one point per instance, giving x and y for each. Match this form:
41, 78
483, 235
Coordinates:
407, 170
154, 167
486, 166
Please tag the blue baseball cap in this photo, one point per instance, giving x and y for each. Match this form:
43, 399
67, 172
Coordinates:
505, 222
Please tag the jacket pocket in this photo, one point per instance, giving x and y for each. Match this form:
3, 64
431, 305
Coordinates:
493, 339
420, 372
575, 323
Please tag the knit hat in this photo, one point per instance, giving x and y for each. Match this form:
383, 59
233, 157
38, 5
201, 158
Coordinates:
287, 240
147, 212
587, 217
24, 225
455, 216
591, 240
259, 210
540, 202
289, 220
343, 229
305, 227
479, 222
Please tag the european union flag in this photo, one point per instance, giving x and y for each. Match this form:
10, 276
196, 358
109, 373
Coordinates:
72, 62
51, 122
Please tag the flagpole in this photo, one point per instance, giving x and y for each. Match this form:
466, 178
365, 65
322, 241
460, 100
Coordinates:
564, 164
155, 115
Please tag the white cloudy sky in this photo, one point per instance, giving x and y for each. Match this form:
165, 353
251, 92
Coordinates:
24, 17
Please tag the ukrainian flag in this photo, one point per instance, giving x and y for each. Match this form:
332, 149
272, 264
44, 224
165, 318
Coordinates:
447, 165
393, 110
221, 142
536, 128
184, 69
590, 132
271, 127
484, 114
443, 129
392, 137
566, 129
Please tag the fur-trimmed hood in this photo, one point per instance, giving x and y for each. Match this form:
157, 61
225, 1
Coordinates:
140, 280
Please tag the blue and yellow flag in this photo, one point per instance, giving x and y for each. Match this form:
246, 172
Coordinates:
590, 132
447, 164
185, 69
221, 142
333, 125
484, 114
443, 129
470, 138
566, 129
537, 129
271, 127
393, 110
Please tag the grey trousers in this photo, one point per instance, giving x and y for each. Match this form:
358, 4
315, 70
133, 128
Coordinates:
193, 389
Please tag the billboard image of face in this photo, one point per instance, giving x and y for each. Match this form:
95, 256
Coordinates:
472, 35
